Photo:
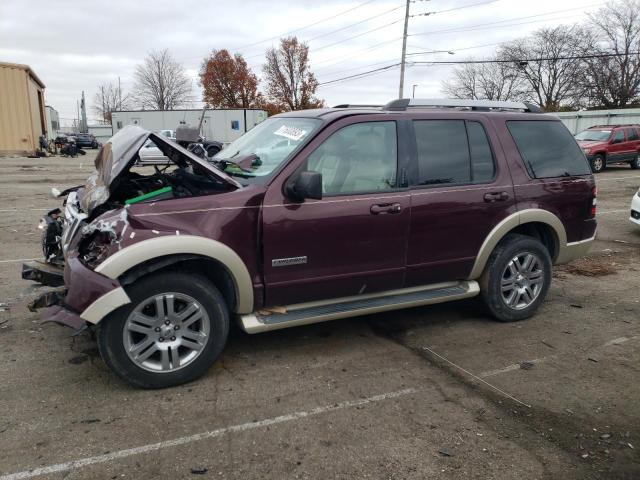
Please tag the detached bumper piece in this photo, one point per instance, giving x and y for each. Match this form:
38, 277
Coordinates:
44, 273
54, 310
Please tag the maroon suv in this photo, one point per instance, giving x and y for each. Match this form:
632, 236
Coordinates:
318, 215
608, 144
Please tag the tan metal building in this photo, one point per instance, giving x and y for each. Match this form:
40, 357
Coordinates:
22, 113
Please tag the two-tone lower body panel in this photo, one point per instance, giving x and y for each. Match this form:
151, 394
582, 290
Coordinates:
89, 297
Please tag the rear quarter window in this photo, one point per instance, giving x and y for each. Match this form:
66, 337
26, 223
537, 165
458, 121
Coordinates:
548, 149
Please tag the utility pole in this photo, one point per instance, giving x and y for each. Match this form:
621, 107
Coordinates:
404, 50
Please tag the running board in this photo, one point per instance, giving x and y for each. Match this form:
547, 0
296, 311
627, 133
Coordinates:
314, 312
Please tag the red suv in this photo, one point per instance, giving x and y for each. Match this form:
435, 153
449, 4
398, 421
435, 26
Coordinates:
608, 144
318, 215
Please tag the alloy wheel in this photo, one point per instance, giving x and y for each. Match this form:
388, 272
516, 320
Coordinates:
522, 280
597, 164
166, 332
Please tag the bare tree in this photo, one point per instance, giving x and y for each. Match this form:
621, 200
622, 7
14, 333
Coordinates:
484, 81
161, 82
290, 83
108, 99
614, 81
546, 61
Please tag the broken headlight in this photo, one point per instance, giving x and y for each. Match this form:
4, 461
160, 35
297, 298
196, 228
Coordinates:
94, 249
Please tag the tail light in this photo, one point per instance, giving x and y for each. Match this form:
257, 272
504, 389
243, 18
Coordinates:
594, 202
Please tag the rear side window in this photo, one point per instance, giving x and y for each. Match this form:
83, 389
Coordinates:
618, 137
632, 134
453, 152
548, 149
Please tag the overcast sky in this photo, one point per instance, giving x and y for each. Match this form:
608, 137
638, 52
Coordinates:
76, 45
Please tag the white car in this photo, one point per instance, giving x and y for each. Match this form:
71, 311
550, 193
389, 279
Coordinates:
635, 209
150, 154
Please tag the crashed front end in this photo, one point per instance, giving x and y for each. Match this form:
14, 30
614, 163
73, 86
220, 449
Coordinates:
98, 223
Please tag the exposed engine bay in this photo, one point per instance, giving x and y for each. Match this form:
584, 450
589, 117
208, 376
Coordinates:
93, 210
162, 184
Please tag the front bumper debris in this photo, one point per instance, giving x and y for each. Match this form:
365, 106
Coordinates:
44, 273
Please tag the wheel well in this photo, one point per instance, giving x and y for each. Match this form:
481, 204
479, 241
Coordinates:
542, 232
209, 268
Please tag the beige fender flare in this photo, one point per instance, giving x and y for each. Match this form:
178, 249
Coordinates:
511, 222
140, 252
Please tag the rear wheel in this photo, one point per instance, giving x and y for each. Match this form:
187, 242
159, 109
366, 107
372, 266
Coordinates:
516, 279
598, 163
635, 162
173, 330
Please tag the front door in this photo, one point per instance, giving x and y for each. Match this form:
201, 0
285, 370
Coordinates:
353, 241
461, 189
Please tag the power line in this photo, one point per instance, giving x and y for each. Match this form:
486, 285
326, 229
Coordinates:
473, 27
426, 14
354, 24
360, 75
306, 26
464, 62
524, 61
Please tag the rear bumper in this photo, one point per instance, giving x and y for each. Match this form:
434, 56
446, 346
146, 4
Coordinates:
575, 250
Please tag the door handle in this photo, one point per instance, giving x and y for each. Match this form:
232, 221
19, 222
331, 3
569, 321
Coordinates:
496, 197
379, 208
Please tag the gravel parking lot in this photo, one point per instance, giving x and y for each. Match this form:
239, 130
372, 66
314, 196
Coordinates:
433, 392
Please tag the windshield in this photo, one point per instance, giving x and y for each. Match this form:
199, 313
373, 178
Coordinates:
593, 135
271, 141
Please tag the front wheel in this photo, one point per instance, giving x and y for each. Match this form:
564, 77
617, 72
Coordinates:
173, 330
635, 162
598, 164
516, 279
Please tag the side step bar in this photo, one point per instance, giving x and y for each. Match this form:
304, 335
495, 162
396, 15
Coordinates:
314, 312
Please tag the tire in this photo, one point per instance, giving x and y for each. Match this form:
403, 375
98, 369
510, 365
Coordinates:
119, 334
598, 163
503, 269
212, 150
635, 163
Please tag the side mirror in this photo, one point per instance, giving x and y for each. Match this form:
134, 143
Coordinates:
305, 185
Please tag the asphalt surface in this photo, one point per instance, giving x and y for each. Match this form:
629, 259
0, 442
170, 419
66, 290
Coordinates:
433, 392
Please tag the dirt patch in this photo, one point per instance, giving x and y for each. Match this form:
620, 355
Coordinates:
591, 267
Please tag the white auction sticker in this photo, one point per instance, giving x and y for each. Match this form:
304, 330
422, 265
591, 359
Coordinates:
291, 133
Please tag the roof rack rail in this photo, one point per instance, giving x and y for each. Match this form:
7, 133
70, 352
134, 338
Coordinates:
616, 125
403, 104
354, 105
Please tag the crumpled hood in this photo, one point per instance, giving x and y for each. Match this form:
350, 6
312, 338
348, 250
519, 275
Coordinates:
119, 154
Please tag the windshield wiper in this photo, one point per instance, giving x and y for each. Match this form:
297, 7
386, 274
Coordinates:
244, 163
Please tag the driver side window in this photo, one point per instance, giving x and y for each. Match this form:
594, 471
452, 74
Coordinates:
358, 158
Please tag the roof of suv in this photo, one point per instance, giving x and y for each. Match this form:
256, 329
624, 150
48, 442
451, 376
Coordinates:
406, 106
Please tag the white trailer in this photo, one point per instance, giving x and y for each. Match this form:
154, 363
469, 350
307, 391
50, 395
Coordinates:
101, 132
224, 125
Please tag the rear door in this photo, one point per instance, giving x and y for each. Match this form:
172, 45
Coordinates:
632, 143
618, 149
460, 190
352, 241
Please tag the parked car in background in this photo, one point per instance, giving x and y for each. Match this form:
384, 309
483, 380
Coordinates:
318, 215
86, 140
150, 154
635, 208
609, 144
